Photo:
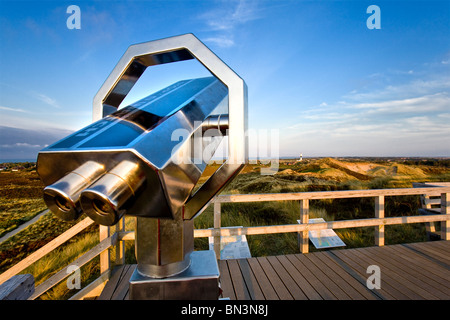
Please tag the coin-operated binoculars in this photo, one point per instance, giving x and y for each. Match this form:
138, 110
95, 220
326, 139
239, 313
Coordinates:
146, 159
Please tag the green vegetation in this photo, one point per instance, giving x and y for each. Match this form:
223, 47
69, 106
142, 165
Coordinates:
327, 174
21, 200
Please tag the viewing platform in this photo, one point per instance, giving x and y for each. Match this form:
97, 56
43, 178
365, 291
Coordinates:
407, 271
415, 271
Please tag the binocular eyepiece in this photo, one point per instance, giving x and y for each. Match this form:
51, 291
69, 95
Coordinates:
89, 188
146, 160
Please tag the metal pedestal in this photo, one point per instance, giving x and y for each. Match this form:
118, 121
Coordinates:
198, 282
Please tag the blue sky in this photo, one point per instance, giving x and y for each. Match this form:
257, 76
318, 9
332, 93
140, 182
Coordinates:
329, 85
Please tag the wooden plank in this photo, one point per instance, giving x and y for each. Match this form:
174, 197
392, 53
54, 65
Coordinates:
225, 280
342, 279
217, 225
319, 287
348, 275
355, 223
105, 256
432, 201
379, 213
113, 282
442, 244
287, 280
274, 279
24, 263
304, 219
264, 283
411, 275
445, 210
431, 252
330, 274
18, 287
420, 254
439, 245
120, 246
414, 283
250, 280
328, 282
124, 285
386, 292
301, 281
329, 194
93, 289
415, 257
435, 274
239, 286
388, 275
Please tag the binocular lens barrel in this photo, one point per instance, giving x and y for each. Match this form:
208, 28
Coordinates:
103, 201
62, 196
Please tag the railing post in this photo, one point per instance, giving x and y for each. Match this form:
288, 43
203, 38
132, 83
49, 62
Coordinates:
304, 219
120, 246
445, 209
379, 213
217, 225
105, 255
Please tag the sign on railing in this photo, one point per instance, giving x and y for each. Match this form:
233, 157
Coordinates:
325, 238
232, 247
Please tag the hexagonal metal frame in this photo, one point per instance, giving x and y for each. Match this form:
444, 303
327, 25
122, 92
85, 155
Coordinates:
178, 48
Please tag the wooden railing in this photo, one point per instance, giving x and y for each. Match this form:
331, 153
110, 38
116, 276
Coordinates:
379, 220
115, 239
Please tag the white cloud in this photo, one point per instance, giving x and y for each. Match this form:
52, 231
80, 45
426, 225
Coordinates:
46, 99
401, 91
426, 103
227, 17
12, 109
405, 119
224, 19
223, 41
21, 145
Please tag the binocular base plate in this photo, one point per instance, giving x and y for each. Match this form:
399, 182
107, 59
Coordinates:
198, 282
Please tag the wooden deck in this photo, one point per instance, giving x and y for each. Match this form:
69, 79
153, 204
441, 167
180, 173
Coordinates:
417, 271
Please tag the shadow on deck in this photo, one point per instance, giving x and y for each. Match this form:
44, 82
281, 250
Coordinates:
416, 271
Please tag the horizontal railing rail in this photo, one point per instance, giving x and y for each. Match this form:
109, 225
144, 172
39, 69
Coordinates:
108, 241
318, 195
47, 248
304, 227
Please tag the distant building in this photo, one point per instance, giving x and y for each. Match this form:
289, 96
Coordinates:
301, 157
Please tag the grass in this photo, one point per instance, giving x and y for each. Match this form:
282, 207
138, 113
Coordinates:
32, 238
21, 200
62, 257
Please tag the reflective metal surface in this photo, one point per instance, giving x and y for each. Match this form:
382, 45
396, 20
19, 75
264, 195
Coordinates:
163, 246
184, 47
216, 124
145, 159
105, 200
160, 136
198, 282
62, 197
